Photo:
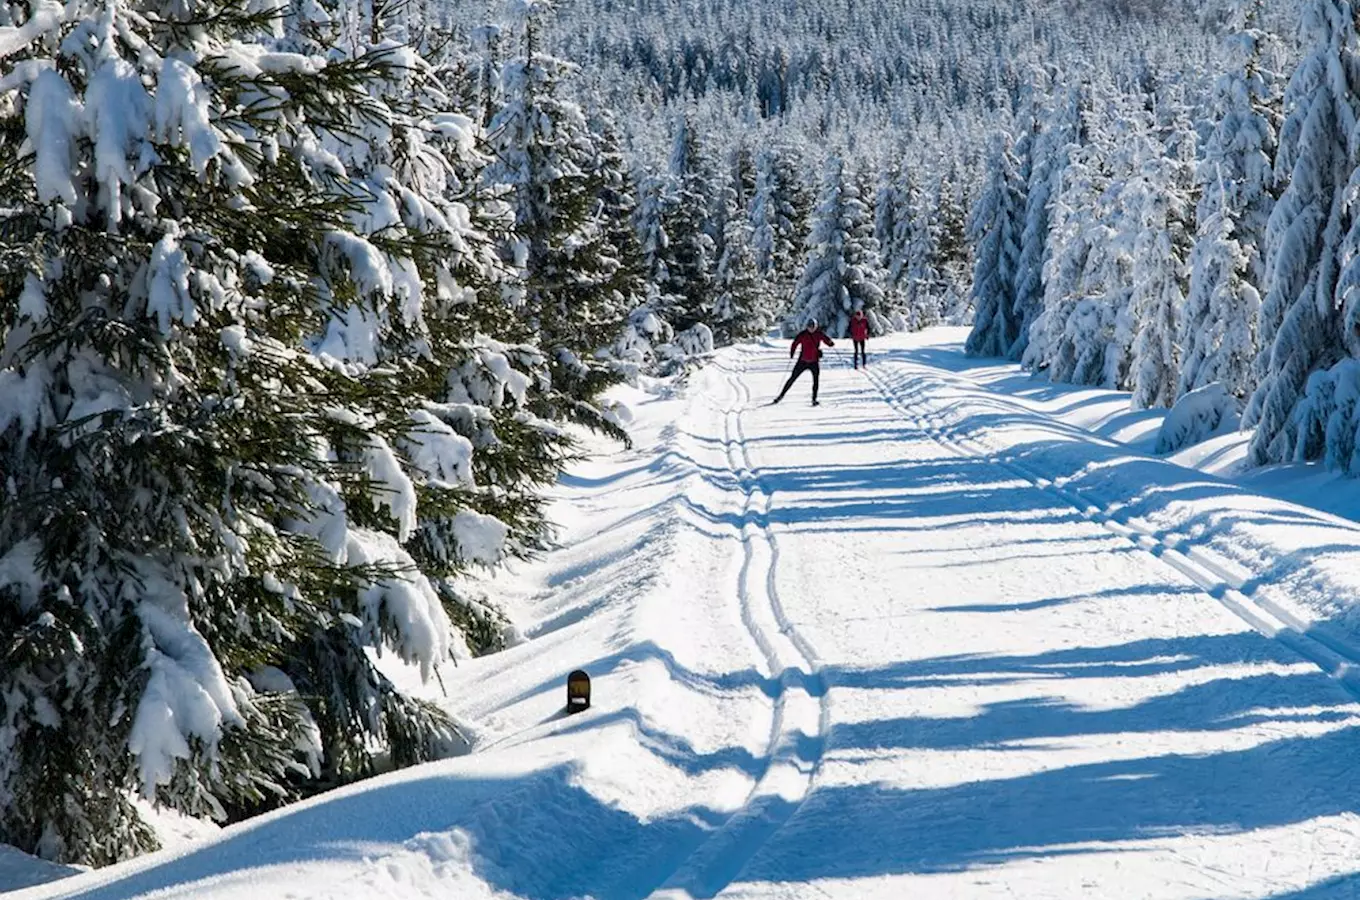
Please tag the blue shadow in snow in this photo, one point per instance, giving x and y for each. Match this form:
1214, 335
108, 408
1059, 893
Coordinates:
537, 836
964, 825
1141, 590
1342, 887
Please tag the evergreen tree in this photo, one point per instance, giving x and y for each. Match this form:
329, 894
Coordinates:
1054, 133
888, 209
926, 278
841, 274
1237, 194
219, 477
779, 217
1161, 203
741, 308
1085, 331
651, 230
899, 259
995, 233
1308, 241
544, 153
616, 191
953, 256
689, 250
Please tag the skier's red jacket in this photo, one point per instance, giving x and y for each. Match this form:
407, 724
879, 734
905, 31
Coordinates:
811, 342
859, 329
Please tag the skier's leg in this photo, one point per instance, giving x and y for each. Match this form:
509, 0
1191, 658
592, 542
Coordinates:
798, 369
816, 379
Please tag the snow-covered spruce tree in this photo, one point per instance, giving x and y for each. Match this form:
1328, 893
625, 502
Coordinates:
889, 208
650, 229
733, 194
543, 154
779, 216
1311, 246
925, 279
741, 308
1159, 199
616, 191
841, 274
906, 196
483, 388
955, 252
1219, 330
1085, 331
1045, 153
218, 480
689, 252
994, 230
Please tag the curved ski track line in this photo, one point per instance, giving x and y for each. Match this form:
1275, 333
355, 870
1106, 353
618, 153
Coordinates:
793, 754
1193, 562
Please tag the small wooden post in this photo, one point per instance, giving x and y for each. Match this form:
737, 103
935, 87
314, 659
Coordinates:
578, 692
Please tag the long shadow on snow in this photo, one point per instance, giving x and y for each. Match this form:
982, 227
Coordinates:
1342, 887
1023, 725
942, 829
1149, 657
537, 835
1141, 590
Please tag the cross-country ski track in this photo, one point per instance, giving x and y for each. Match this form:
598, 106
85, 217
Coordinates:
935, 638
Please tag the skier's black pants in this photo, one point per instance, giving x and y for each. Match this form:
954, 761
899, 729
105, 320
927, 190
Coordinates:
814, 367
858, 354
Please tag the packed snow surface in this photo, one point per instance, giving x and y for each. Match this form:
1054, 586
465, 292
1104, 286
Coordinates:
956, 633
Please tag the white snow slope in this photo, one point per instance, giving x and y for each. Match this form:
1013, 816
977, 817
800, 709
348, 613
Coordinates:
930, 640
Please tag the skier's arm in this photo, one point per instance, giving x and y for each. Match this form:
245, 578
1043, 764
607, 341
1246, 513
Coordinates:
793, 347
827, 339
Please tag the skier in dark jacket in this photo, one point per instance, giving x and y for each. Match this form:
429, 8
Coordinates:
859, 333
810, 341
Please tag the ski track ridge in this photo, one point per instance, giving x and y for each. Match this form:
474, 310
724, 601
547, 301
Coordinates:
793, 754
1234, 591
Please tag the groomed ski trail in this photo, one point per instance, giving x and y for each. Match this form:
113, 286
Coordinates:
1027, 699
1235, 590
802, 709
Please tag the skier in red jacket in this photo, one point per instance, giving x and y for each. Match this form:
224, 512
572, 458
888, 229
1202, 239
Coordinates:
810, 340
859, 333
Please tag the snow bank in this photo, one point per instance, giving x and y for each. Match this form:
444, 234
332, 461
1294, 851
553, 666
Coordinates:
18, 870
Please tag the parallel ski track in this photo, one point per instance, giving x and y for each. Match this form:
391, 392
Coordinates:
793, 756
1236, 592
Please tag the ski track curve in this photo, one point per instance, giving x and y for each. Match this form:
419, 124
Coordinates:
802, 708
1194, 563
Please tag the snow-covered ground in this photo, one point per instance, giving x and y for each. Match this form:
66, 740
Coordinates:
952, 634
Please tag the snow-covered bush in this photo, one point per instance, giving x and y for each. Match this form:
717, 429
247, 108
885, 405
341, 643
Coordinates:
1203, 413
696, 341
